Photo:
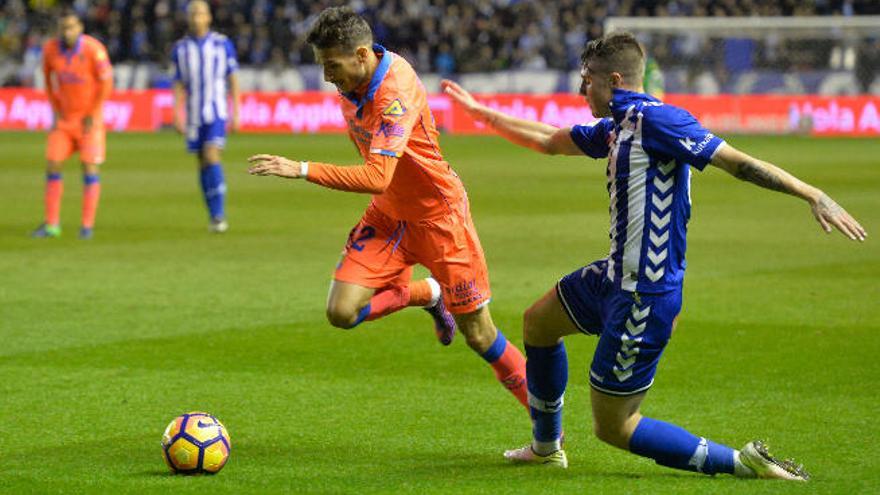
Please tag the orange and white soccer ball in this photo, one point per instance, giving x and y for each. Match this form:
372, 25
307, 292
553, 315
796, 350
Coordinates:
195, 443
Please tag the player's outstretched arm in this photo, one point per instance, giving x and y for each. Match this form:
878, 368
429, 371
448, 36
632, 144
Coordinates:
543, 138
275, 165
372, 177
828, 213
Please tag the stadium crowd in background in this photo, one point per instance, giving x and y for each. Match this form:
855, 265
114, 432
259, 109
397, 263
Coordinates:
440, 36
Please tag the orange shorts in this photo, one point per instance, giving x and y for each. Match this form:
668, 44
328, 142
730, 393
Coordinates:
381, 251
67, 137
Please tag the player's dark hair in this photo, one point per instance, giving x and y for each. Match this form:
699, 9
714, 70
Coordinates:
66, 12
340, 28
618, 51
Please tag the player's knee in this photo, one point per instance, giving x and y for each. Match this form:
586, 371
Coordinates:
341, 316
610, 433
530, 323
53, 167
534, 331
479, 341
209, 155
477, 328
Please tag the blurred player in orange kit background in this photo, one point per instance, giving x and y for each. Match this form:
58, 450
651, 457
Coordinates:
419, 211
79, 78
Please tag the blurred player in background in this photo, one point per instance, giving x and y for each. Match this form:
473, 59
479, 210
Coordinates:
204, 78
78, 80
419, 211
632, 298
655, 81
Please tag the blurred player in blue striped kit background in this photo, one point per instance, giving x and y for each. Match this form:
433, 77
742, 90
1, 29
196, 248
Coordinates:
205, 68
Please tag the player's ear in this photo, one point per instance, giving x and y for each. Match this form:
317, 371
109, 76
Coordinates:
362, 52
616, 79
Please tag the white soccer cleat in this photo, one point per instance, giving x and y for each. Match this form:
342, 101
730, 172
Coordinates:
757, 457
218, 226
527, 455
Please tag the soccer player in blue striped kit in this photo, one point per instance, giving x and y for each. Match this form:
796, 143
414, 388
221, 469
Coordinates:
632, 298
204, 72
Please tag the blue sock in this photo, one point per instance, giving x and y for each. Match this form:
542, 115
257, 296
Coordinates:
214, 189
89, 179
496, 349
546, 376
673, 446
53, 176
362, 315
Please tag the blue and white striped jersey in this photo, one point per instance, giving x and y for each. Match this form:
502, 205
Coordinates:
202, 65
650, 147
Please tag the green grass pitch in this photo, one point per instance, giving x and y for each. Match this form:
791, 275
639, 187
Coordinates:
102, 343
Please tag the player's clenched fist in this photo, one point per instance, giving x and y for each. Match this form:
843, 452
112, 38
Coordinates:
275, 165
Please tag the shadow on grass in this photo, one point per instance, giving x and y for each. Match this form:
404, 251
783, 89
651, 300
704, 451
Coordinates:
152, 473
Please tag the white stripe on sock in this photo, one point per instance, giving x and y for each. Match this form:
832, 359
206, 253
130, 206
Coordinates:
435, 291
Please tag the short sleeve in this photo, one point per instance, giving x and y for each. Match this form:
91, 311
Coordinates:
103, 69
673, 133
231, 58
397, 117
592, 138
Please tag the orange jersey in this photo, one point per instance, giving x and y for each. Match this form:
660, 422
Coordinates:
78, 79
393, 129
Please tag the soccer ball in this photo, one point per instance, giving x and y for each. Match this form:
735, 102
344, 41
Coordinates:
195, 443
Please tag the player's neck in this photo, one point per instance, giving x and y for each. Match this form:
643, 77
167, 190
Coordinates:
200, 33
634, 89
68, 46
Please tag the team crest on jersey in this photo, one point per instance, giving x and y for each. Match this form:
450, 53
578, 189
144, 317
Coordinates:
395, 109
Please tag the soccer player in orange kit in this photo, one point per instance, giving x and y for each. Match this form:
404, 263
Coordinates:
419, 211
79, 78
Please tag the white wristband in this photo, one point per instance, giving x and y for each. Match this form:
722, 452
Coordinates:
304, 169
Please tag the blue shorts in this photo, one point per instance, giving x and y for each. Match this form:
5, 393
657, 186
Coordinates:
197, 137
633, 328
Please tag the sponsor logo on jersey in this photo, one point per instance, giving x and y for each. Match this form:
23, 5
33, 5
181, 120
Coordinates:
66, 77
395, 109
389, 129
693, 147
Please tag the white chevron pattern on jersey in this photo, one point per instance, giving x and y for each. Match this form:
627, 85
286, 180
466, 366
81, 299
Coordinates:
626, 357
658, 232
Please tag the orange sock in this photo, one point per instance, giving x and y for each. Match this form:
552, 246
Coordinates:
91, 194
54, 191
509, 366
397, 297
420, 293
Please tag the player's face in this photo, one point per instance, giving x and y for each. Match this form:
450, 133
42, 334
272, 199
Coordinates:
345, 70
198, 17
70, 28
596, 88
